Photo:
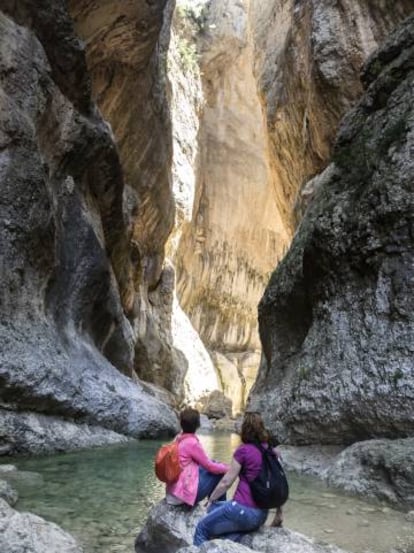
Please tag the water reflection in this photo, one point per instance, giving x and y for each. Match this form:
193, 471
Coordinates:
102, 497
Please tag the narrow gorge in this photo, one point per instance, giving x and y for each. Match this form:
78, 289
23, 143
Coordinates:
210, 203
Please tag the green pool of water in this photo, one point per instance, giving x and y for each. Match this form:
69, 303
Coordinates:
102, 496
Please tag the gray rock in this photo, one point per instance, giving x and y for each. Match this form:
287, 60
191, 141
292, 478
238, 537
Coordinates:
377, 469
337, 318
170, 529
5, 469
215, 405
29, 533
283, 540
217, 546
8, 493
40, 434
68, 329
311, 460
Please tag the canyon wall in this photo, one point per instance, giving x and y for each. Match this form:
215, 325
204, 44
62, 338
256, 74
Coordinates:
150, 187
69, 258
275, 78
308, 57
336, 320
232, 235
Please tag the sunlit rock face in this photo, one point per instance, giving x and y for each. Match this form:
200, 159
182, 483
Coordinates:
308, 56
208, 370
235, 235
66, 257
232, 235
336, 320
275, 79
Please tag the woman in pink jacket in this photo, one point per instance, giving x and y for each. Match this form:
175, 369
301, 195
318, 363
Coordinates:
199, 475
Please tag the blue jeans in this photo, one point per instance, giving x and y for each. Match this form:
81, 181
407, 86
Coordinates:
207, 481
228, 519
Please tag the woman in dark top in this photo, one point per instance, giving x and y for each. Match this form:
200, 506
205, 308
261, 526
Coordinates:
230, 519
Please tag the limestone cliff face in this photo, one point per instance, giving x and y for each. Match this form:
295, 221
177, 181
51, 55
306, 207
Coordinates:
231, 235
308, 55
275, 79
336, 321
68, 261
235, 236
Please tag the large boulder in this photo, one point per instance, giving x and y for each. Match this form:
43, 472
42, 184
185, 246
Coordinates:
377, 469
337, 318
171, 529
25, 433
29, 533
168, 528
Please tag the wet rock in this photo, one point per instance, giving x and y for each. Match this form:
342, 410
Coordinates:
5, 469
171, 529
337, 318
8, 493
380, 470
26, 532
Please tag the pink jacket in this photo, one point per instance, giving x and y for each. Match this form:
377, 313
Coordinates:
192, 455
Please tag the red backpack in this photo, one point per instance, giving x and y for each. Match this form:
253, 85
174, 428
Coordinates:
167, 463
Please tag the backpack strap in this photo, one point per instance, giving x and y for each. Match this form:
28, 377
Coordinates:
262, 451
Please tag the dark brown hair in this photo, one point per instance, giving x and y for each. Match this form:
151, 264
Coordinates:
253, 429
189, 420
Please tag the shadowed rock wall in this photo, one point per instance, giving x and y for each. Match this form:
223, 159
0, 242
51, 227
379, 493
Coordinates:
126, 49
67, 264
336, 320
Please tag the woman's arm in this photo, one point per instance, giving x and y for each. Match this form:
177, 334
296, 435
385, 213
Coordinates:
226, 481
199, 456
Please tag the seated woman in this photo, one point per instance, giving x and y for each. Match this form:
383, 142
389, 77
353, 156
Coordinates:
199, 475
232, 519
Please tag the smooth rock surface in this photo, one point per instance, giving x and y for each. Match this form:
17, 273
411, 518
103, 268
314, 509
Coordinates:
377, 469
33, 433
336, 320
217, 546
126, 48
24, 532
170, 529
